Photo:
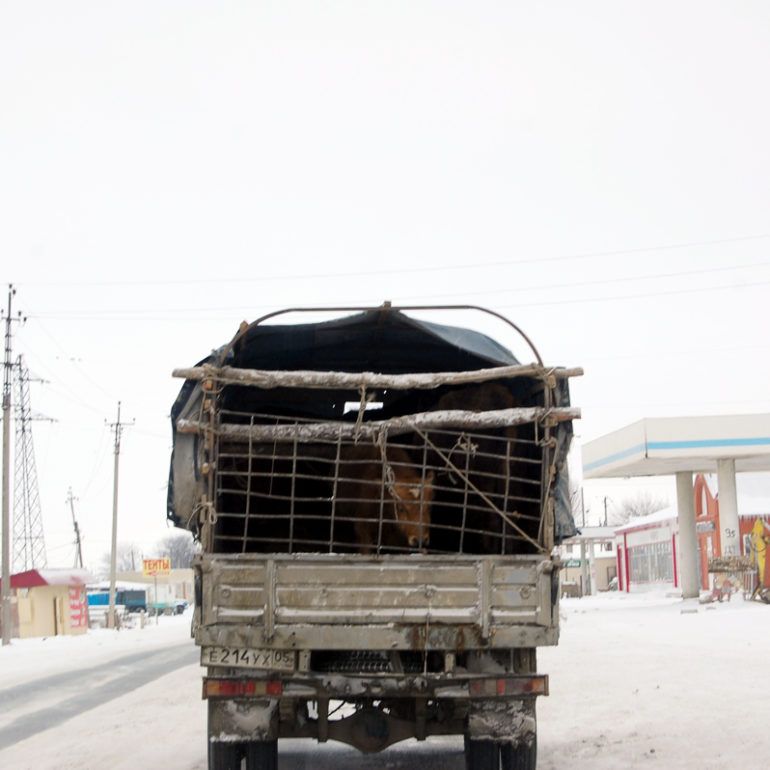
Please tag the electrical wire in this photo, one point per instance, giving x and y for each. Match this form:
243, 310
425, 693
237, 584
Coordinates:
646, 295
485, 292
507, 290
74, 362
398, 299
409, 270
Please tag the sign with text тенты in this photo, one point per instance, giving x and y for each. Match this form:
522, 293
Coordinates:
155, 567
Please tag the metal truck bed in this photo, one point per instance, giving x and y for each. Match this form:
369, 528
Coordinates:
349, 601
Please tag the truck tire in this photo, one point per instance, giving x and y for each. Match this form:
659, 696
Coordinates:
521, 757
262, 755
225, 756
481, 755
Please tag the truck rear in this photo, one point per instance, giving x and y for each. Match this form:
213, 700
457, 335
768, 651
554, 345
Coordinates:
378, 499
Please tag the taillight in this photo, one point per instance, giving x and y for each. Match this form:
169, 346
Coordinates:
520, 685
241, 688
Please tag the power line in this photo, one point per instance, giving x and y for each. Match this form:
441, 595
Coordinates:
599, 282
508, 290
74, 362
689, 404
397, 299
646, 295
663, 353
65, 392
410, 270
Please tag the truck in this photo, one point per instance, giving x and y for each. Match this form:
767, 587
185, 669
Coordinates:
378, 497
132, 599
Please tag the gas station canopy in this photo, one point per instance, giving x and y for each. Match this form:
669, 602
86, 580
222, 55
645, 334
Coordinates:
664, 446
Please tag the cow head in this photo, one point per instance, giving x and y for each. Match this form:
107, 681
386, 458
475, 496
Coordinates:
412, 499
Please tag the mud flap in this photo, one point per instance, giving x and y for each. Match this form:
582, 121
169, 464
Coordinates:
503, 721
242, 720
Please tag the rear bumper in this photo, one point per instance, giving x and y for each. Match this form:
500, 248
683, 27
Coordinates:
481, 687
387, 709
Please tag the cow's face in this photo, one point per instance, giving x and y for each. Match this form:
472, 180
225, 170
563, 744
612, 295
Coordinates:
413, 497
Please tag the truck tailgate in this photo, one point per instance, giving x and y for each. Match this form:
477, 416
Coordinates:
332, 601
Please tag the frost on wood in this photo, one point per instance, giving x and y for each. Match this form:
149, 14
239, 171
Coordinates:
456, 418
356, 380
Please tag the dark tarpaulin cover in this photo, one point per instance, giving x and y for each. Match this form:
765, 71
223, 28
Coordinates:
384, 341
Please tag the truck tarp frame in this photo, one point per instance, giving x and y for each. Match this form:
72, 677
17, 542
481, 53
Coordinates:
383, 340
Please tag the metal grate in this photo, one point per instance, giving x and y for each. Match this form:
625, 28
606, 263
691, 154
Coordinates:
426, 491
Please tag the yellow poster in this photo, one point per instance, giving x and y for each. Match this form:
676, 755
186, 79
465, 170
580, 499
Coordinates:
156, 567
759, 546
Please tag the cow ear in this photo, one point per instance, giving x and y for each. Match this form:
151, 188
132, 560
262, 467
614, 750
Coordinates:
429, 476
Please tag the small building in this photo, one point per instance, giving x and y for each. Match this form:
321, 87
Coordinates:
647, 552
589, 561
648, 547
49, 602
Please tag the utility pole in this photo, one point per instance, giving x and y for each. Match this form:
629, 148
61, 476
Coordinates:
118, 426
79, 552
5, 591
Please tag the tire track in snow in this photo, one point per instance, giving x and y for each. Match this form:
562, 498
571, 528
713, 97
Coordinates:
133, 671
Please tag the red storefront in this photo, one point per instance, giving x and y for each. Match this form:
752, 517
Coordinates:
647, 548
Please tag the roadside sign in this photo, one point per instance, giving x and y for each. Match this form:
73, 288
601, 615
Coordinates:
155, 567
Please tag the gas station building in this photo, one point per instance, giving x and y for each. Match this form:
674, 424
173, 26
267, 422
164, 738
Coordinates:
683, 446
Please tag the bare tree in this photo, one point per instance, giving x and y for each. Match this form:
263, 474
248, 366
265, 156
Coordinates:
179, 547
576, 502
128, 558
641, 504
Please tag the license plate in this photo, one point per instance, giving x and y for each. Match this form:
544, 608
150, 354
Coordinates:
248, 657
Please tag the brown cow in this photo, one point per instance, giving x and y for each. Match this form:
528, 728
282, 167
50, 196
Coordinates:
486, 472
404, 498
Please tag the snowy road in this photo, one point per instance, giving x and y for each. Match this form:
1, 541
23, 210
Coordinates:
636, 682
25, 704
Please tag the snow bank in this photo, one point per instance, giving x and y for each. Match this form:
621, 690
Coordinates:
25, 660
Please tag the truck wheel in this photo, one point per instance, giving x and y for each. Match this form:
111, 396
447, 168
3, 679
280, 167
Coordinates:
481, 755
262, 755
521, 757
225, 756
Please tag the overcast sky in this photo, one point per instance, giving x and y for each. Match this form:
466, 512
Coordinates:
599, 171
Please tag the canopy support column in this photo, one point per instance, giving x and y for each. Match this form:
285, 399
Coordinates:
688, 541
592, 567
729, 526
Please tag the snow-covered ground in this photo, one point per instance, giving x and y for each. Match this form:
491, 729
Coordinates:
637, 682
641, 681
28, 659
